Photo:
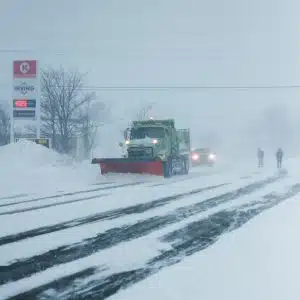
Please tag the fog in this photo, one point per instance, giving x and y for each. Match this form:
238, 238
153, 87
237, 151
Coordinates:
173, 44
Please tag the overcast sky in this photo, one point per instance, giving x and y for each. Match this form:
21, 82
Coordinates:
166, 42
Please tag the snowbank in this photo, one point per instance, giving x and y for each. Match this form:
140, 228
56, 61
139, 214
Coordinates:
258, 261
26, 166
28, 154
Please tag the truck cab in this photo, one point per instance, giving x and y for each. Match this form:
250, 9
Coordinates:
150, 142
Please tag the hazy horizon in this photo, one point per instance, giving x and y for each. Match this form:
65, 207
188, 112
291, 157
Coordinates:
163, 43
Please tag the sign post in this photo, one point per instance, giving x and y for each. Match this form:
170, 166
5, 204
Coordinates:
26, 94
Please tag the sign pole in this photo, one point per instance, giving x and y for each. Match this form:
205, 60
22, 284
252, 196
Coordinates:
38, 103
12, 123
12, 126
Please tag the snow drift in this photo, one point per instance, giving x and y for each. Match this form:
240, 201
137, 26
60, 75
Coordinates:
29, 167
27, 154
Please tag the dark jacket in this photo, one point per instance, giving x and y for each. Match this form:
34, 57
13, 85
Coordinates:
279, 153
260, 153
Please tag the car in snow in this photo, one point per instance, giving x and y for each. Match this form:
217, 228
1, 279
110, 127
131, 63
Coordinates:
203, 156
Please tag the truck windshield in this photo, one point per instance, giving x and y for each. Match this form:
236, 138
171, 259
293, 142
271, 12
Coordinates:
143, 132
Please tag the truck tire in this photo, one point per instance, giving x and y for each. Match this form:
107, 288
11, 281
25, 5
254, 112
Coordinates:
186, 166
167, 168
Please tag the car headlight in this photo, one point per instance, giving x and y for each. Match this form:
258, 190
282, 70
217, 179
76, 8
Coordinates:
212, 156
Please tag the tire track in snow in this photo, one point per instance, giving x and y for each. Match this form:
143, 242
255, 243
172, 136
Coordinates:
107, 215
184, 242
71, 194
67, 280
13, 196
64, 194
180, 178
192, 176
17, 211
24, 267
58, 192
114, 236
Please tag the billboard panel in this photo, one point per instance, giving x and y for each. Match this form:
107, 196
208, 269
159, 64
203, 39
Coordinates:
24, 103
24, 114
25, 68
25, 88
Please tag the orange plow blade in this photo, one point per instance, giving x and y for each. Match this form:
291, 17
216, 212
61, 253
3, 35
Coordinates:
123, 165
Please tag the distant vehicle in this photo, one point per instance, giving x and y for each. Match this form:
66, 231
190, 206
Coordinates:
202, 156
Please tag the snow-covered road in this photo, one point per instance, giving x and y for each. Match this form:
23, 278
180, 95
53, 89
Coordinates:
92, 241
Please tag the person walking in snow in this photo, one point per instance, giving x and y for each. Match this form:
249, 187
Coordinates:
260, 156
279, 155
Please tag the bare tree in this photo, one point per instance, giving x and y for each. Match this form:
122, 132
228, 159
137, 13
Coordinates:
4, 126
93, 116
63, 106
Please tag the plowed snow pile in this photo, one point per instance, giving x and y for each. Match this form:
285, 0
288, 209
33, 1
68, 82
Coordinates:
28, 166
28, 154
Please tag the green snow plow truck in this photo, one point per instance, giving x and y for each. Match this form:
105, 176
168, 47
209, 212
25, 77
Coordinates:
153, 147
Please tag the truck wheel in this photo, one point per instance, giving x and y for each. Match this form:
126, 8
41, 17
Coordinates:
167, 168
186, 166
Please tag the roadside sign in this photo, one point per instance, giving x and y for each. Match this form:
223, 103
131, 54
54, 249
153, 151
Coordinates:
25, 94
24, 103
24, 114
25, 69
25, 88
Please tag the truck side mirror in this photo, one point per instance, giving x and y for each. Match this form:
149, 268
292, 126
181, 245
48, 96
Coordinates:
121, 144
126, 133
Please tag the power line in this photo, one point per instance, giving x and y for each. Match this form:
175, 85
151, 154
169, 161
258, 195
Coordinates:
188, 87
174, 87
14, 50
182, 87
8, 51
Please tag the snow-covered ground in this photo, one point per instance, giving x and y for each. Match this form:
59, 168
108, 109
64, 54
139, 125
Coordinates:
67, 231
258, 261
